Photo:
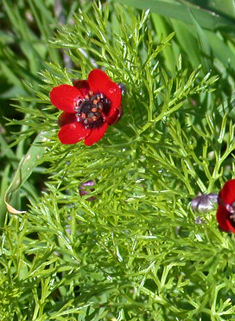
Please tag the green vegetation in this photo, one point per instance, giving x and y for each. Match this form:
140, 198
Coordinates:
137, 251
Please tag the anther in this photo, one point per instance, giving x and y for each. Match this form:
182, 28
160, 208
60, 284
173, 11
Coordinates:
76, 109
100, 106
79, 119
89, 110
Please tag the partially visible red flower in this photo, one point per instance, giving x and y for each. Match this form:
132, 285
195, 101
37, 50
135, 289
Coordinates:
89, 107
226, 207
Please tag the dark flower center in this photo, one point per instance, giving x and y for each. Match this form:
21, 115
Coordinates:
90, 109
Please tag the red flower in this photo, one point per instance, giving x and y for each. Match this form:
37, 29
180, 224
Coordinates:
226, 207
89, 107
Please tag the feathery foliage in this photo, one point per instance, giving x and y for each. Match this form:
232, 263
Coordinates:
135, 251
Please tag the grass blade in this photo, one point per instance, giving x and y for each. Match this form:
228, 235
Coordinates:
26, 167
205, 18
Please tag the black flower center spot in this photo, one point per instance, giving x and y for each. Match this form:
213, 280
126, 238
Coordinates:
90, 110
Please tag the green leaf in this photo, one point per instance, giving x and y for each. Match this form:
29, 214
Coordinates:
206, 19
25, 168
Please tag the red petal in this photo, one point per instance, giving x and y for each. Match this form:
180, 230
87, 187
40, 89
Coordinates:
97, 80
224, 223
114, 94
100, 82
115, 116
73, 133
66, 118
227, 193
221, 218
81, 84
96, 134
64, 97
231, 227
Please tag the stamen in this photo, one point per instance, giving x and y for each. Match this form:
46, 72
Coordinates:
89, 111
100, 106
230, 208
